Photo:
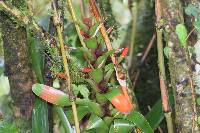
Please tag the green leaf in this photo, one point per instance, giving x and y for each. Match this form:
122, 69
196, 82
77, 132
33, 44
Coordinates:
109, 66
108, 75
93, 29
6, 127
91, 43
139, 120
81, 112
82, 89
181, 31
112, 93
35, 51
95, 108
198, 120
87, 53
40, 122
40, 117
64, 119
121, 126
167, 51
192, 10
101, 98
96, 122
197, 26
198, 100
102, 59
156, 115
96, 74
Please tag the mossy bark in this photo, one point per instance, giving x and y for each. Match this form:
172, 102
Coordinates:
180, 72
18, 70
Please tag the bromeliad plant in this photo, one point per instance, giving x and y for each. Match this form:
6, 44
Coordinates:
103, 98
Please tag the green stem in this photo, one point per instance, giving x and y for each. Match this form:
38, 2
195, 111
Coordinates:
163, 87
76, 23
63, 119
168, 117
133, 32
66, 68
161, 64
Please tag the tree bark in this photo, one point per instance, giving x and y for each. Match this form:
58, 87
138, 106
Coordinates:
180, 72
17, 68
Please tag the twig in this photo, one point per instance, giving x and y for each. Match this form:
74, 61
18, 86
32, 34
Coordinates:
146, 52
162, 76
66, 68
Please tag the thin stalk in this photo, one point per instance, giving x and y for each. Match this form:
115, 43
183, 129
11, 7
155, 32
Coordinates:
162, 76
133, 32
163, 87
82, 6
168, 117
76, 23
66, 68
63, 119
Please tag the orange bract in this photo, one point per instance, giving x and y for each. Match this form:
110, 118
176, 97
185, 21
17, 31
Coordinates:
122, 104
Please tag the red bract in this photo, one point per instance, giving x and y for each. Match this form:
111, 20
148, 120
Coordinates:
87, 21
124, 52
61, 75
86, 70
121, 103
84, 34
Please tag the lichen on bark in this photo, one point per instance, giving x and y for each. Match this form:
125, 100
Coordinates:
180, 72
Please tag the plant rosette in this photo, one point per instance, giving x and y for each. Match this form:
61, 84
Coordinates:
119, 101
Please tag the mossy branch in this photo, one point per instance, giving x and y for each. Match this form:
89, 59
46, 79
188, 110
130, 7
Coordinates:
57, 23
162, 76
25, 20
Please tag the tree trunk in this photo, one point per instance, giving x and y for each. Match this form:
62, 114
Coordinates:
180, 72
17, 68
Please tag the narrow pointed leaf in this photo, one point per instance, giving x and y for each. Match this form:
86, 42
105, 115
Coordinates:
81, 112
96, 74
156, 115
139, 120
40, 122
102, 59
96, 122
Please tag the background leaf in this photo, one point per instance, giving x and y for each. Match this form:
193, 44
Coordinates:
181, 31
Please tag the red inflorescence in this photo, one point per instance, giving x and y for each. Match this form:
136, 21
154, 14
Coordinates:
87, 21
124, 52
86, 70
84, 34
